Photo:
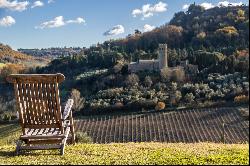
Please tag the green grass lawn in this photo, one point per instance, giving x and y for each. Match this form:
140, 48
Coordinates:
125, 153
2, 65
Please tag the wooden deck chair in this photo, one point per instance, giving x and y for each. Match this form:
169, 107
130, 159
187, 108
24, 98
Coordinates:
44, 126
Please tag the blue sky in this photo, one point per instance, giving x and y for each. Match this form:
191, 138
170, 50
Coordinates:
73, 23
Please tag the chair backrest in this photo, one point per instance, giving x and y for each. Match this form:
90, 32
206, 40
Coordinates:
37, 98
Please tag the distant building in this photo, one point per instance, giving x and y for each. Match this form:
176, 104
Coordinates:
151, 65
162, 63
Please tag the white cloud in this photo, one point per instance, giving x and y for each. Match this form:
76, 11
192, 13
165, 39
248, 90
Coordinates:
7, 21
14, 5
186, 6
59, 22
226, 3
147, 28
50, 1
116, 30
149, 10
79, 20
207, 5
37, 4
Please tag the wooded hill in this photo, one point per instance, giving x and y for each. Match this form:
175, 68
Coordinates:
222, 29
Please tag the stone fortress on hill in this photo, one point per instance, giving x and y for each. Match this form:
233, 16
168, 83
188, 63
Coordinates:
158, 64
162, 63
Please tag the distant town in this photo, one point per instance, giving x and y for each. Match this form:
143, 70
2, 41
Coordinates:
53, 52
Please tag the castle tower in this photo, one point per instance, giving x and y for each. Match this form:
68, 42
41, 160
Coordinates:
163, 56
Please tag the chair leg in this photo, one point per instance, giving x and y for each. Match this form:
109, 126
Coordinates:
62, 149
63, 143
72, 130
18, 146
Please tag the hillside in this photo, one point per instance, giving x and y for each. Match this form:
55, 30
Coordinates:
8, 55
216, 40
223, 29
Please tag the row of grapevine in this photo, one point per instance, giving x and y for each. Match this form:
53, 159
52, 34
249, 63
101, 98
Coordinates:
196, 125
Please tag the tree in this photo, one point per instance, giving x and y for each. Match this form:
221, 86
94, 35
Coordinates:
137, 32
173, 89
165, 75
132, 80
178, 75
178, 96
189, 97
228, 31
78, 100
10, 69
148, 81
205, 59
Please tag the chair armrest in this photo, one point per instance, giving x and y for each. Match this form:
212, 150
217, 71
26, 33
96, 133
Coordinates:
67, 108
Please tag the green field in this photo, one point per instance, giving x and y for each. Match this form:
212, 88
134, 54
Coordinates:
126, 153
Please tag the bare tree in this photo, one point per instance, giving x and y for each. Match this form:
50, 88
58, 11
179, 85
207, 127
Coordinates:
132, 80
148, 81
78, 100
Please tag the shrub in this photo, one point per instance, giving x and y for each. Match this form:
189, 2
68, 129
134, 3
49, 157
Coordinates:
119, 104
148, 81
132, 80
8, 116
7, 110
165, 75
160, 106
178, 75
189, 97
160, 86
241, 99
82, 137
178, 96
78, 100
10, 69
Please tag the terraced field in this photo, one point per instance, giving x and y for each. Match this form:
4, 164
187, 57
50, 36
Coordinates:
188, 126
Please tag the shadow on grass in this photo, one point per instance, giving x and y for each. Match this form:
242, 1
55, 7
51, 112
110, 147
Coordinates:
29, 153
8, 130
7, 153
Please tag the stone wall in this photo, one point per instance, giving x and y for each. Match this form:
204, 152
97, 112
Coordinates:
150, 65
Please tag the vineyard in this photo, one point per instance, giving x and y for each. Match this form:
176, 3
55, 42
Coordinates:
187, 126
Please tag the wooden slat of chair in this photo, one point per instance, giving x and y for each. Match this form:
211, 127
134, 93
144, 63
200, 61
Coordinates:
19, 101
43, 126
59, 114
26, 104
54, 105
34, 104
33, 118
42, 136
31, 78
45, 141
39, 110
46, 103
42, 103
37, 103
